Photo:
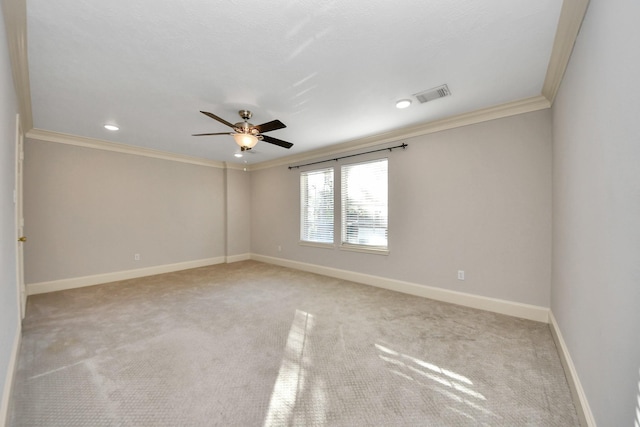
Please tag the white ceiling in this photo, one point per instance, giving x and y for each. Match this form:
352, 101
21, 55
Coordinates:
330, 70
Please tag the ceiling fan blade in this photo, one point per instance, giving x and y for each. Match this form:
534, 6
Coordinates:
276, 141
214, 117
206, 134
269, 126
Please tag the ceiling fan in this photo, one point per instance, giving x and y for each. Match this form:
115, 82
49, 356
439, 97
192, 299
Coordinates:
246, 134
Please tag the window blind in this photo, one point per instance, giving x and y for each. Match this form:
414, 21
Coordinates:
316, 206
364, 204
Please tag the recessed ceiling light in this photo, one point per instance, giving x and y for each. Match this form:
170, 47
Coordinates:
238, 155
403, 103
111, 127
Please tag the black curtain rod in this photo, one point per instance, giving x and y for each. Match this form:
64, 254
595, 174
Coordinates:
403, 146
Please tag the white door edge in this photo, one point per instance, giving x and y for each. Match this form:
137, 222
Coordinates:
17, 199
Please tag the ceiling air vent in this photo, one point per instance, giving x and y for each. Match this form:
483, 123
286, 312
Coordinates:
431, 94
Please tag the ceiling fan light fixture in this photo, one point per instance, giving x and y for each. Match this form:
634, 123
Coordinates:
403, 103
245, 140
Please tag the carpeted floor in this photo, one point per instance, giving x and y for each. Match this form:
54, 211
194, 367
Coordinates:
250, 344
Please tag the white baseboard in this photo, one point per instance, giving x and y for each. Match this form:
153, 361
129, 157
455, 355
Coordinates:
236, 258
524, 311
10, 375
577, 392
79, 282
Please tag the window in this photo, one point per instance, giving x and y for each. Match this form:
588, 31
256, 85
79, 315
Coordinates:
364, 205
316, 206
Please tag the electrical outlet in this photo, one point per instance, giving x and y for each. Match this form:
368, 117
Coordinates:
460, 274
136, 257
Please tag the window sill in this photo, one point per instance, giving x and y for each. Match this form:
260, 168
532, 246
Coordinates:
317, 244
365, 249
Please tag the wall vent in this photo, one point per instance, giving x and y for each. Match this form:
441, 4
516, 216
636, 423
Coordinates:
431, 94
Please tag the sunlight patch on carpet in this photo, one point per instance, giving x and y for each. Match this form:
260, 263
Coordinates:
293, 379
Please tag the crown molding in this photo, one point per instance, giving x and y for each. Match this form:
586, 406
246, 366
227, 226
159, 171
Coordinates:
15, 18
237, 166
486, 114
98, 144
571, 17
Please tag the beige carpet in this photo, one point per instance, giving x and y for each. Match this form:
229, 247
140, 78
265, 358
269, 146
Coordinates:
250, 344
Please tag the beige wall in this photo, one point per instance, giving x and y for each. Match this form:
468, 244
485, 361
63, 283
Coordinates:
88, 211
476, 198
596, 244
238, 212
9, 317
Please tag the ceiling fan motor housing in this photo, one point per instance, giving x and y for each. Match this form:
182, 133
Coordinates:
246, 127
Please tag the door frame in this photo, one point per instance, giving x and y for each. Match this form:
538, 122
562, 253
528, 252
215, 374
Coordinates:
19, 216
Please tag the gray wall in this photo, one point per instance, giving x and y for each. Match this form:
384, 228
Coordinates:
476, 198
8, 289
89, 211
596, 246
